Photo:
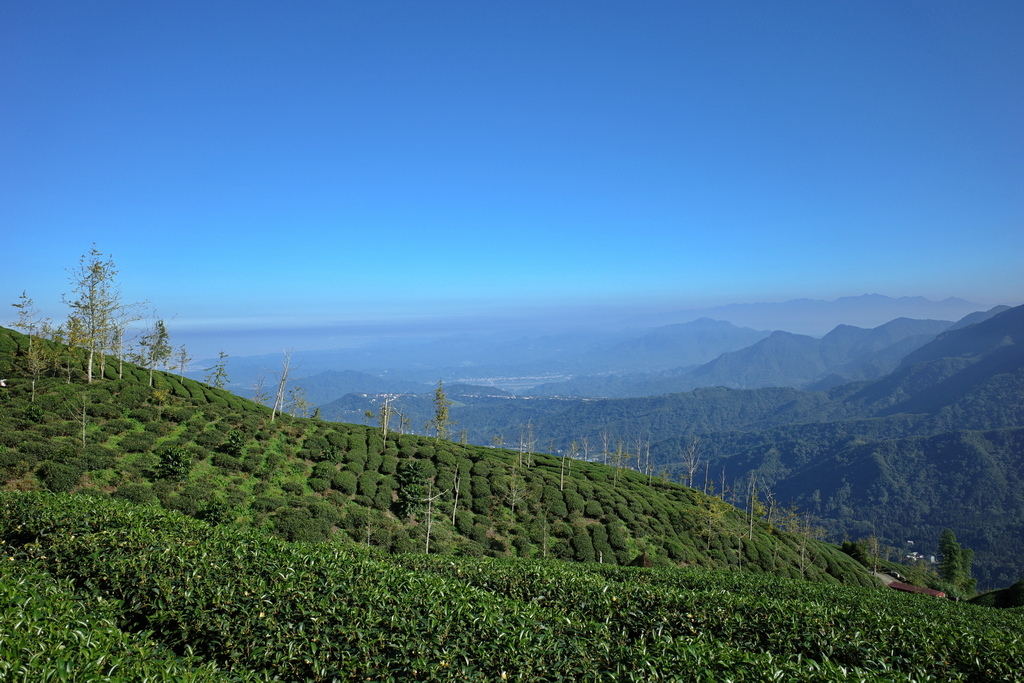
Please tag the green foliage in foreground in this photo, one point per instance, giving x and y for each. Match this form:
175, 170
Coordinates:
49, 631
213, 603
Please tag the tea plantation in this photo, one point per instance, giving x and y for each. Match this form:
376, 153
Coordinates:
214, 456
95, 588
174, 531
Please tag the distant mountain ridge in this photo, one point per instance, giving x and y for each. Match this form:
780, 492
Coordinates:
815, 317
680, 345
1005, 330
664, 346
784, 359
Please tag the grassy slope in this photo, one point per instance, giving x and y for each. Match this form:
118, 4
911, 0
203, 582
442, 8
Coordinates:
214, 456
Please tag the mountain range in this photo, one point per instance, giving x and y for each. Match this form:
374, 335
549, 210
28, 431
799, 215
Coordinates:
935, 443
815, 317
898, 430
520, 358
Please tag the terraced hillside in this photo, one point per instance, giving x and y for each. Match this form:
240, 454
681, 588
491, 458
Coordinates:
213, 456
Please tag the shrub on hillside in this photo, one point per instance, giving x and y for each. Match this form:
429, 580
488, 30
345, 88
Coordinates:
234, 443
49, 449
226, 462
209, 437
293, 487
59, 477
323, 470
175, 463
297, 524
336, 439
144, 414
344, 481
583, 547
136, 492
97, 457
356, 462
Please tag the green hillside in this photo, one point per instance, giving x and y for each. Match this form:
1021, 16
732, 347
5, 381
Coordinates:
176, 531
213, 456
97, 589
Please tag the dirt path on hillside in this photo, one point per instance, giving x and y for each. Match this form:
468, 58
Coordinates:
885, 578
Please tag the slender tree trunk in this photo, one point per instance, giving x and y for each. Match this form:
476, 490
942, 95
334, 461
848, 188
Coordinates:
286, 363
455, 504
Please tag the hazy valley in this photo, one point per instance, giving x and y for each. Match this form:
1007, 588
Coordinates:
892, 431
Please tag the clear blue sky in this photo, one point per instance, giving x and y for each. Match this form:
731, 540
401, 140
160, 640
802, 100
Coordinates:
281, 164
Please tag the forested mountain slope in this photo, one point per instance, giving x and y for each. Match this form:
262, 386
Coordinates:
905, 454
930, 392
936, 444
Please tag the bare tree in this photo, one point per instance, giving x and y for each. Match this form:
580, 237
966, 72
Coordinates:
803, 527
620, 459
79, 409
455, 487
218, 376
70, 338
399, 418
690, 458
527, 444
92, 283
714, 513
183, 360
574, 451
286, 366
259, 394
121, 320
429, 500
516, 490
98, 308
297, 404
442, 421
648, 465
385, 417
33, 326
772, 505
755, 508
